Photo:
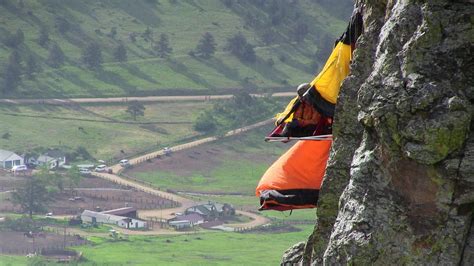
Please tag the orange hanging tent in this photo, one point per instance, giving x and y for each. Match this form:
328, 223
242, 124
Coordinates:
293, 181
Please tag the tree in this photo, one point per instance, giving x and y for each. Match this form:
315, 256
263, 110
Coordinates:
92, 56
12, 73
120, 53
238, 46
33, 196
56, 56
163, 48
14, 40
31, 66
135, 109
148, 34
62, 25
206, 46
43, 37
301, 31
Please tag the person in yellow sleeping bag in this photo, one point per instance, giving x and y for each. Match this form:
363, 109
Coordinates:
321, 93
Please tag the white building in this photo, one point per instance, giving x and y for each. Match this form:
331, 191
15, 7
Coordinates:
124, 222
8, 159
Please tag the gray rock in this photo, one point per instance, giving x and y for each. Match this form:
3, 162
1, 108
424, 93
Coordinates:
399, 186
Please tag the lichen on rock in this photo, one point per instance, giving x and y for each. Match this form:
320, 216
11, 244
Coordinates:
399, 185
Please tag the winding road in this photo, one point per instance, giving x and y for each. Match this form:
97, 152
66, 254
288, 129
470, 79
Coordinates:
184, 202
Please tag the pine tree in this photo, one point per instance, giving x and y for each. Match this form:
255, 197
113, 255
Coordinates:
120, 53
56, 56
206, 46
163, 48
43, 37
92, 56
31, 66
238, 46
12, 73
135, 109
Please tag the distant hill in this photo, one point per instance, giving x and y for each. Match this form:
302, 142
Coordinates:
43, 45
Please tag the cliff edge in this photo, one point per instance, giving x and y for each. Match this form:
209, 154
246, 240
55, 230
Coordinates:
399, 186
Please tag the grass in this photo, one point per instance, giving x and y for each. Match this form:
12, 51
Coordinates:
239, 166
144, 73
102, 140
218, 248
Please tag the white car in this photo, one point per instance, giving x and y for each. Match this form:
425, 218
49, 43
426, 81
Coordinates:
101, 168
84, 171
124, 163
19, 168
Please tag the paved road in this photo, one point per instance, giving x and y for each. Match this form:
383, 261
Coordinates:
127, 99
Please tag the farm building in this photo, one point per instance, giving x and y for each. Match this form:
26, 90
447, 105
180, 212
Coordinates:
212, 210
8, 159
124, 222
178, 225
129, 212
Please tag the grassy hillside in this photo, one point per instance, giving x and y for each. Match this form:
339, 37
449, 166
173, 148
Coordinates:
106, 131
270, 27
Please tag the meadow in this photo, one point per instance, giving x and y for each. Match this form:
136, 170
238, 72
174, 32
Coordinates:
107, 132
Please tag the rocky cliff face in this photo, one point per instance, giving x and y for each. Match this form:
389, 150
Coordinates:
399, 187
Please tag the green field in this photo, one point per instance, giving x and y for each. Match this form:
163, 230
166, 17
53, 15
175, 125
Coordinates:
281, 62
237, 166
24, 128
195, 249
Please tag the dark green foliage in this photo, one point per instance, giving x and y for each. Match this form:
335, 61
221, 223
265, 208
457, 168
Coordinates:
56, 56
12, 73
80, 153
43, 37
6, 135
113, 32
32, 66
163, 48
14, 40
23, 224
239, 47
240, 110
207, 46
120, 53
135, 109
62, 25
147, 35
92, 56
301, 30
33, 197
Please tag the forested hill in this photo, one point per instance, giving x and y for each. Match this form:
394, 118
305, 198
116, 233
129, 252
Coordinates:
90, 48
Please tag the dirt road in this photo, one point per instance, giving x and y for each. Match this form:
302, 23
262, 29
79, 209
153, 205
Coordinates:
128, 99
185, 203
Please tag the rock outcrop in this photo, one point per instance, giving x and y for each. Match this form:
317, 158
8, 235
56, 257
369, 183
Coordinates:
399, 186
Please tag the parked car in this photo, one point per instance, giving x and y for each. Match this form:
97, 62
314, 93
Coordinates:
19, 168
167, 151
124, 163
84, 171
100, 168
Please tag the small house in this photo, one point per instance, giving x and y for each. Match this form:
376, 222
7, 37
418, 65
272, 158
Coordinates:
53, 159
8, 159
212, 210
